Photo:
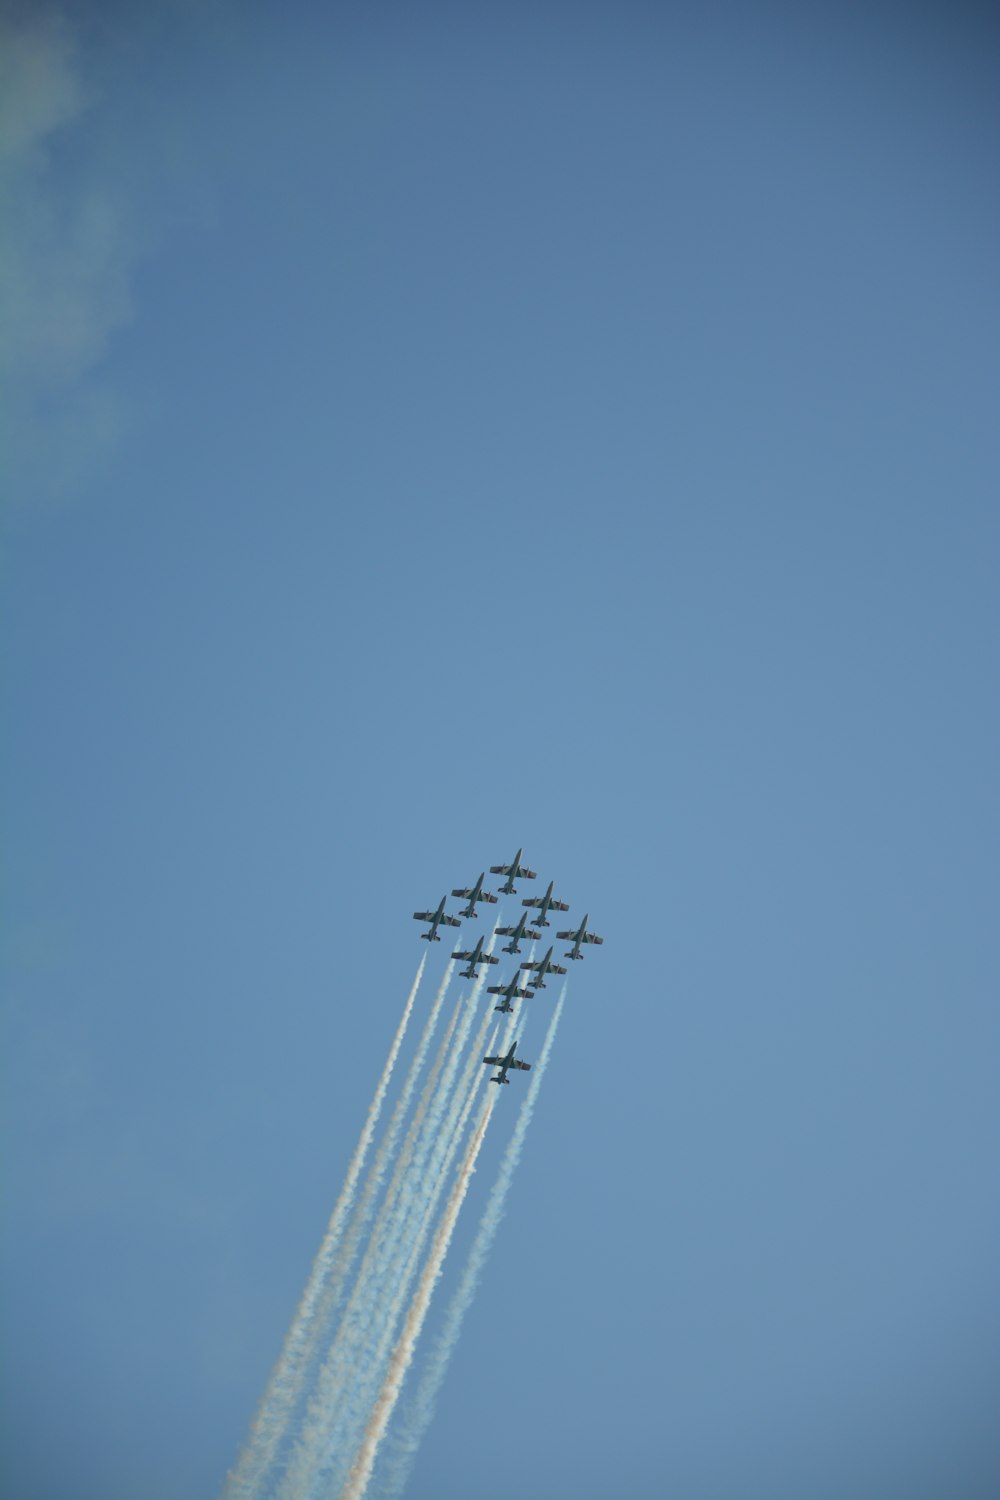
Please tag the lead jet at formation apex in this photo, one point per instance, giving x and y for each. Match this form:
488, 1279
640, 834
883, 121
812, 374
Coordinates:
514, 871
435, 918
542, 966
503, 1063
581, 935
476, 893
509, 992
545, 904
517, 933
476, 956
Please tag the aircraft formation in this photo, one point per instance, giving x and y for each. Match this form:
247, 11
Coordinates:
537, 912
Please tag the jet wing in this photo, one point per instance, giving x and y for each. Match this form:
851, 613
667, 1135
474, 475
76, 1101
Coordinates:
494, 1062
457, 922
528, 933
521, 873
516, 1062
556, 969
559, 906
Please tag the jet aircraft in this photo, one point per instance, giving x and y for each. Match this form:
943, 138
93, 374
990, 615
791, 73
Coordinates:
503, 1063
436, 919
542, 966
509, 992
475, 957
546, 904
514, 871
517, 933
581, 935
476, 893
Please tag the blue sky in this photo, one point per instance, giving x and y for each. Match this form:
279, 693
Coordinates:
433, 430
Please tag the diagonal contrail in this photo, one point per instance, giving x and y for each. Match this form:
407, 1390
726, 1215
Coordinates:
282, 1389
337, 1365
403, 1353
401, 1271
426, 1145
418, 1414
400, 1274
353, 1372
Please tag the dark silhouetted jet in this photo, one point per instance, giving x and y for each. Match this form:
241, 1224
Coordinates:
581, 935
514, 871
475, 957
503, 1063
541, 967
517, 933
474, 894
544, 903
436, 919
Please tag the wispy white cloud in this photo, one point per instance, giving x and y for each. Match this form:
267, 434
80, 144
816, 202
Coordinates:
40, 87
67, 254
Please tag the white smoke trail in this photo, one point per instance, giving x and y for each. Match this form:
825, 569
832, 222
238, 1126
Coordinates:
398, 1251
445, 1102
419, 1413
428, 1193
336, 1368
403, 1353
401, 1271
337, 1279
384, 1154
282, 1390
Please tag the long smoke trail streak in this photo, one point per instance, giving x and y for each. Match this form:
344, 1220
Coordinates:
336, 1282
418, 1414
337, 1366
403, 1353
399, 1275
404, 1268
449, 1140
387, 1145
361, 1356
281, 1393
423, 1143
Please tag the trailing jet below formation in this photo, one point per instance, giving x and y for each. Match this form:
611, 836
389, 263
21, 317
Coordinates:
476, 893
517, 933
581, 935
542, 966
546, 904
509, 992
436, 919
476, 956
514, 871
503, 1063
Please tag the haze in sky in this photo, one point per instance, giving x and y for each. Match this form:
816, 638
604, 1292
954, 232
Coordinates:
432, 430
